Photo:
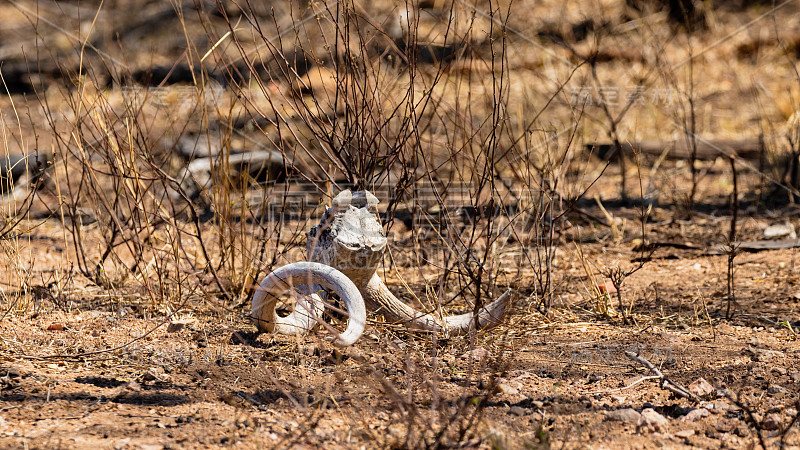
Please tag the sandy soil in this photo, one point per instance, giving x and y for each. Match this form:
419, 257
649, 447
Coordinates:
119, 363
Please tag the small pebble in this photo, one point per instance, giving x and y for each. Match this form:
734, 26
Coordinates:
701, 388
695, 415
684, 434
772, 422
517, 411
627, 415
725, 425
652, 420
776, 389
778, 370
507, 389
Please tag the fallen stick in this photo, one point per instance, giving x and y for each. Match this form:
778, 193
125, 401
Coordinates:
665, 383
756, 246
707, 150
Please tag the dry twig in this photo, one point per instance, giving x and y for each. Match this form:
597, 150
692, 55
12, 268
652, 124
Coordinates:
665, 383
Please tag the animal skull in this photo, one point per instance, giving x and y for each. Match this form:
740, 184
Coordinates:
350, 241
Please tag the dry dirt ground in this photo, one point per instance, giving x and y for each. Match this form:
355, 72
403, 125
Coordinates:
209, 380
83, 365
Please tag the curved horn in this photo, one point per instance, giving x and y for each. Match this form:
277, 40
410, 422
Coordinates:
309, 307
382, 301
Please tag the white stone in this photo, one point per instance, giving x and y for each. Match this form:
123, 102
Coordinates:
652, 420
